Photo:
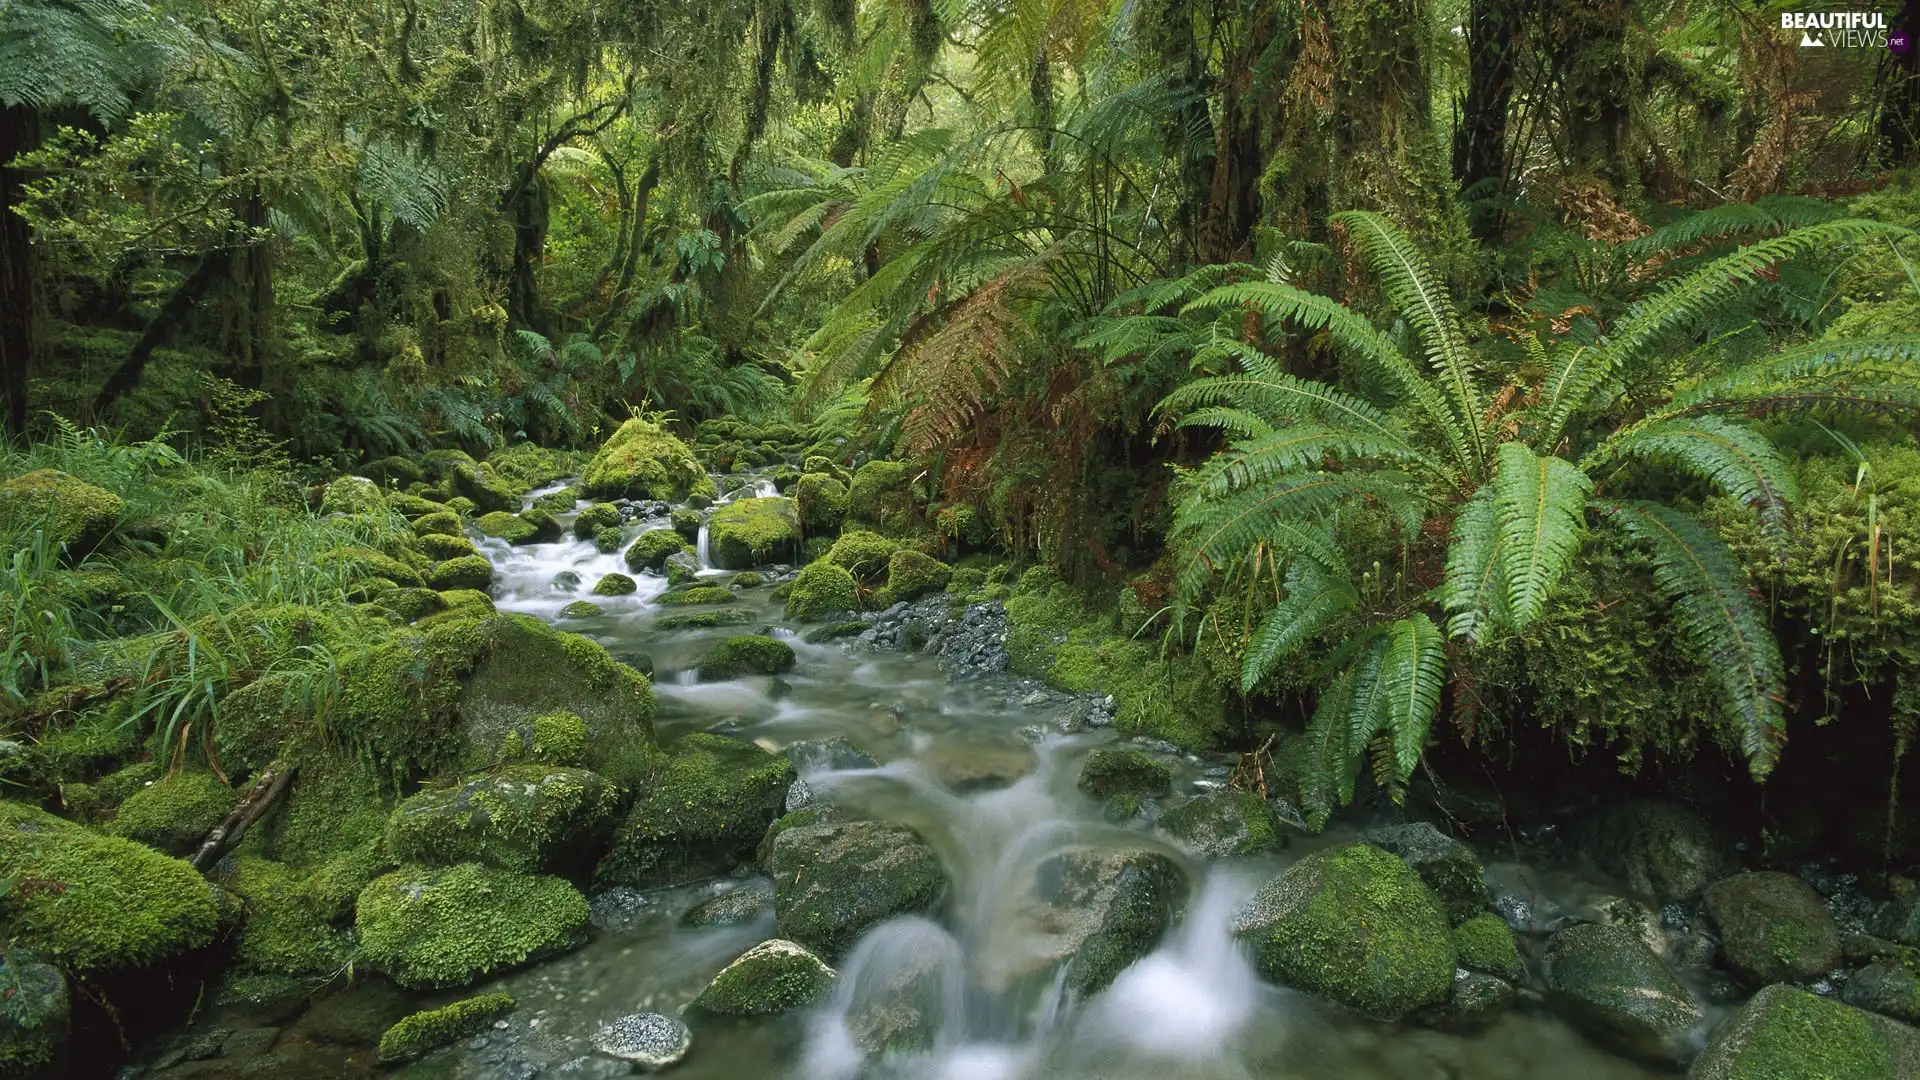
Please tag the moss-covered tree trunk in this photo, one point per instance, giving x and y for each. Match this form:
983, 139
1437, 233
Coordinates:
19, 299
1480, 140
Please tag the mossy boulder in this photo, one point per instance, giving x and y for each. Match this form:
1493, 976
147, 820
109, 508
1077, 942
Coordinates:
735, 907
695, 595
615, 585
351, 495
832, 881
752, 532
1354, 924
1785, 1033
1888, 987
1610, 983
1223, 825
465, 572
483, 488
1450, 868
700, 814
523, 817
652, 548
749, 655
822, 589
1773, 927
431, 1029
393, 471
706, 620
686, 522
1662, 851
368, 564
110, 904
70, 510
413, 507
581, 609
821, 502
1099, 911
882, 494
174, 813
557, 502
293, 917
912, 574
772, 977
608, 540
517, 528
1484, 943
439, 523
34, 1011
1124, 771
451, 926
440, 547
642, 461
862, 553
594, 518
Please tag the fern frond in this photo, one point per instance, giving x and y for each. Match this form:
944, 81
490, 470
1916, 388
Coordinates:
1326, 749
1770, 214
1313, 601
1720, 620
1366, 714
1257, 458
1729, 455
1237, 423
1278, 397
1539, 505
1413, 671
1473, 592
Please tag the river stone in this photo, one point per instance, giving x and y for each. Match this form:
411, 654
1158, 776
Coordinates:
1477, 1001
1449, 867
1610, 983
772, 977
681, 567
1773, 927
524, 817
1223, 824
1900, 921
34, 1008
1887, 987
900, 1003
1661, 850
700, 815
1099, 911
830, 882
828, 755
1123, 771
1354, 924
649, 1040
1788, 1034
731, 908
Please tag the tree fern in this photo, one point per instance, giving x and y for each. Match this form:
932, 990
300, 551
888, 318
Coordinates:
1731, 456
1313, 601
1412, 675
1539, 506
1474, 590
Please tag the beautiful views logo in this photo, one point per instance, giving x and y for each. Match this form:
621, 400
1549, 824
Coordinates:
1842, 29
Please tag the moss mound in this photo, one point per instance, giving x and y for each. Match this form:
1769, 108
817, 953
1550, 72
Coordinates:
1123, 771
594, 518
701, 814
438, 523
912, 574
33, 1015
615, 585
651, 549
861, 553
832, 881
431, 1029
1788, 1034
440, 547
449, 927
72, 511
465, 572
1223, 824
1484, 943
524, 817
641, 461
111, 904
751, 655
351, 495
700, 620
821, 502
175, 812
771, 977
696, 594
822, 589
751, 532
581, 609
534, 526
882, 494
290, 927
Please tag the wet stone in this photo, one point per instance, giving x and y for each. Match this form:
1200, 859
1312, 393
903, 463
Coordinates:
649, 1040
733, 907
566, 581
620, 909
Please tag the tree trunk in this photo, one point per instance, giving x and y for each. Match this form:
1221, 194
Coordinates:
19, 276
212, 265
1595, 76
1900, 108
1479, 143
529, 219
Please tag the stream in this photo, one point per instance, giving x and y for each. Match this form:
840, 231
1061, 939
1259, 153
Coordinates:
973, 766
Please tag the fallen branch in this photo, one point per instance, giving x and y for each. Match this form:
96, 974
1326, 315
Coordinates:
235, 825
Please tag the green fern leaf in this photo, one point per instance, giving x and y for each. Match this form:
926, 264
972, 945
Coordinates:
1413, 671
1313, 602
1540, 507
1326, 750
1366, 714
1729, 455
1474, 592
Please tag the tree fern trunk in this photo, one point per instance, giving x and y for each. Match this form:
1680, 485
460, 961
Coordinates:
1479, 142
19, 284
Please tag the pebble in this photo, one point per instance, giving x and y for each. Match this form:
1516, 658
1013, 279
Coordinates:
649, 1040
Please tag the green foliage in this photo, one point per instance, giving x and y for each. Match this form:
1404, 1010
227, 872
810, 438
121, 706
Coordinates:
431, 1029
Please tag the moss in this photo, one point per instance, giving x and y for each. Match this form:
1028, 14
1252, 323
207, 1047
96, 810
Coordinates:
465, 572
594, 518
414, 508
702, 620
911, 574
72, 511
751, 532
686, 523
641, 461
175, 813
461, 604
651, 550
513, 528
822, 589
431, 1029
414, 604
821, 502
615, 585
863, 554
523, 817
751, 655
966, 580
608, 540
106, 904
703, 492
529, 465
1485, 944
1223, 824
1110, 771
462, 505
882, 494
393, 471
697, 594
772, 977
439, 523
1785, 1033
334, 813
34, 1013
557, 502
441, 547
368, 563
289, 930
449, 927
961, 527
485, 491
832, 881
747, 579
700, 814
351, 495
559, 738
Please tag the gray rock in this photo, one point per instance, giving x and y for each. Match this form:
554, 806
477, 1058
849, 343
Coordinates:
1223, 824
1773, 927
649, 1040
1788, 1033
681, 566
1449, 867
832, 881
1099, 911
1900, 921
566, 581
1661, 850
1477, 1001
828, 755
1887, 987
799, 796
733, 907
34, 1009
1606, 980
590, 1068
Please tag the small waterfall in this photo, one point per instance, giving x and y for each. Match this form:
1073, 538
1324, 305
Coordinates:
701, 551
904, 984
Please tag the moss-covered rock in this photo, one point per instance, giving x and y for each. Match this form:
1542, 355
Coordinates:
439, 523
70, 510
912, 574
832, 881
481, 487
700, 814
686, 522
440, 547
1484, 943
464, 572
694, 595
531, 527
750, 655
557, 502
821, 502
882, 494
413, 507
542, 818
1662, 851
174, 813
431, 1029
772, 977
594, 518
366, 563
1449, 867
1606, 980
1773, 927
110, 904
448, 927
581, 609
641, 461
1124, 770
1099, 911
1788, 1034
651, 549
822, 589
734, 907
615, 585
706, 620
1354, 924
747, 579
351, 495
393, 471
752, 532
862, 553
34, 1010
608, 540
1223, 824
292, 917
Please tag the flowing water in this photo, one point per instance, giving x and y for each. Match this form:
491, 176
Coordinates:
959, 762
